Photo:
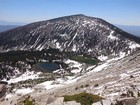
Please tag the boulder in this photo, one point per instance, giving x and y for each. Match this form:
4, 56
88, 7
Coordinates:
103, 102
138, 102
127, 101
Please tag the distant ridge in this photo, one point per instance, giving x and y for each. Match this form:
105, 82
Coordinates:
7, 27
2, 22
135, 30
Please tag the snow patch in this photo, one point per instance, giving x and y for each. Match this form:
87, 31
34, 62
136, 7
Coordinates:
58, 45
111, 36
73, 63
59, 82
40, 47
72, 39
133, 45
108, 62
90, 67
49, 85
113, 94
100, 67
89, 50
75, 71
72, 79
74, 48
124, 75
23, 91
27, 75
110, 83
102, 58
122, 55
62, 35
54, 40
9, 95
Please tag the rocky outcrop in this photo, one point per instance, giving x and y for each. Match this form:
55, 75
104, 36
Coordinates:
2, 91
103, 102
127, 101
138, 102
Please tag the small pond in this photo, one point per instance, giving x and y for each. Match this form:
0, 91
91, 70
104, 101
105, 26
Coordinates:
47, 66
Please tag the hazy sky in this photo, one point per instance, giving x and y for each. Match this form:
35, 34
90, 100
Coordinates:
126, 12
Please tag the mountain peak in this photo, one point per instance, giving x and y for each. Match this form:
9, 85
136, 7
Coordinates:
78, 15
78, 33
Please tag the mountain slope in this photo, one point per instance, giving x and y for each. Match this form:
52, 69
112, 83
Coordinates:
78, 33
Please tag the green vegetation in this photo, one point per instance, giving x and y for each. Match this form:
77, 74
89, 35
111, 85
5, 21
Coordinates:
83, 98
30, 57
86, 60
138, 94
28, 102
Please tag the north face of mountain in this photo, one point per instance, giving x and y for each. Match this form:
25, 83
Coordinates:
78, 33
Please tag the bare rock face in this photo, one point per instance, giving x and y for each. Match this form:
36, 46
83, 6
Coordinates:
103, 102
138, 102
127, 101
51, 99
2, 91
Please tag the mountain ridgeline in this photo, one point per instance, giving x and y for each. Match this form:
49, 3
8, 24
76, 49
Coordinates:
77, 33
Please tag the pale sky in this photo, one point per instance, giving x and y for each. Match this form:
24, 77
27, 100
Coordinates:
125, 12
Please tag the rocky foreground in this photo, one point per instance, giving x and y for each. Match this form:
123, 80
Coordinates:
116, 80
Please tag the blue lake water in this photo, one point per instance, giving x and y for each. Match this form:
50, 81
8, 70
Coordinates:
47, 66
